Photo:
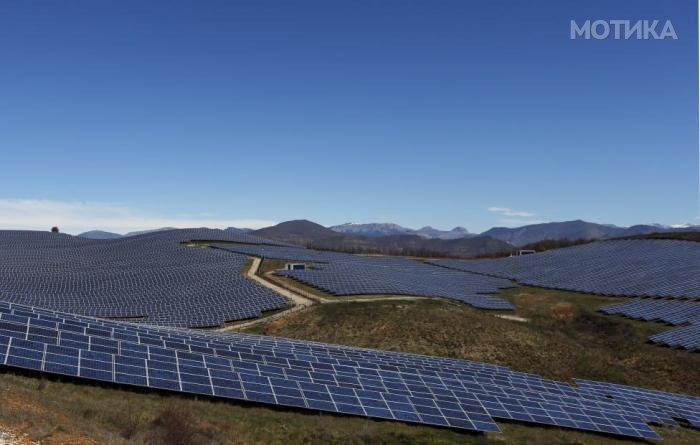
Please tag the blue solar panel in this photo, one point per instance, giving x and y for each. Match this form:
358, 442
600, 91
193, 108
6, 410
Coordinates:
634, 268
667, 269
671, 405
667, 311
153, 277
687, 337
311, 375
344, 274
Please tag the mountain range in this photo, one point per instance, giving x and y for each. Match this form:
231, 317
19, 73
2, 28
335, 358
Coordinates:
316, 236
101, 234
388, 229
570, 230
518, 236
387, 238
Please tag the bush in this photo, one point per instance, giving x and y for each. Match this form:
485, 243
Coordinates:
127, 423
175, 425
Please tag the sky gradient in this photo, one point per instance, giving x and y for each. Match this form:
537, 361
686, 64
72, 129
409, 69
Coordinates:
129, 115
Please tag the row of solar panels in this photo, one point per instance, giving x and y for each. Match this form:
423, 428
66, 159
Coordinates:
633, 268
665, 269
667, 311
156, 279
153, 277
318, 376
344, 274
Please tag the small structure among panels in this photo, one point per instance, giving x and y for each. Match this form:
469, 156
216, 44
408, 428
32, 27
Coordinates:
323, 377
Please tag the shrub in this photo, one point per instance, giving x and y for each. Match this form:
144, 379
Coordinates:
175, 425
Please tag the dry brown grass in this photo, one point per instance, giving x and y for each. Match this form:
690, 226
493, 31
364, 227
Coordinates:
175, 425
563, 311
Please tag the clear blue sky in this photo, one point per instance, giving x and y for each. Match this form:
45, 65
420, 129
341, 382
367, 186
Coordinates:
414, 112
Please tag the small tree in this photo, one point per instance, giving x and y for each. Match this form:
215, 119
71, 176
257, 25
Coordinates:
54, 229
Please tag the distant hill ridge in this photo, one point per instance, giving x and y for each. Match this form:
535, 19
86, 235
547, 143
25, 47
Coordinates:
100, 234
573, 230
316, 236
517, 236
391, 238
388, 229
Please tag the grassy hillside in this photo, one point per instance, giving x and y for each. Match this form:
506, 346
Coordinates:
565, 337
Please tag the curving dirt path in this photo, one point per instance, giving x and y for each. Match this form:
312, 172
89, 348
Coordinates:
303, 299
295, 297
300, 302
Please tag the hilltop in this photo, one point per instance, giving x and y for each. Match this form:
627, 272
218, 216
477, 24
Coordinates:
310, 234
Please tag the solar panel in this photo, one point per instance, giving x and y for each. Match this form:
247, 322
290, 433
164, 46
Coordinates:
344, 274
668, 269
667, 311
152, 277
633, 268
687, 337
318, 376
672, 405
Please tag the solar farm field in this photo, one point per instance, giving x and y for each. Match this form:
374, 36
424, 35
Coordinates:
664, 274
64, 408
153, 278
461, 350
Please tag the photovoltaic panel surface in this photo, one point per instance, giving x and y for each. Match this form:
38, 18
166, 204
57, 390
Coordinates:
153, 277
634, 268
677, 406
687, 337
665, 272
345, 274
389, 385
672, 312
668, 311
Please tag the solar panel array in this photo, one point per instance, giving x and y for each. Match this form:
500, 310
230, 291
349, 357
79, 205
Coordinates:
687, 337
151, 277
323, 377
344, 274
288, 253
668, 311
635, 268
668, 405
